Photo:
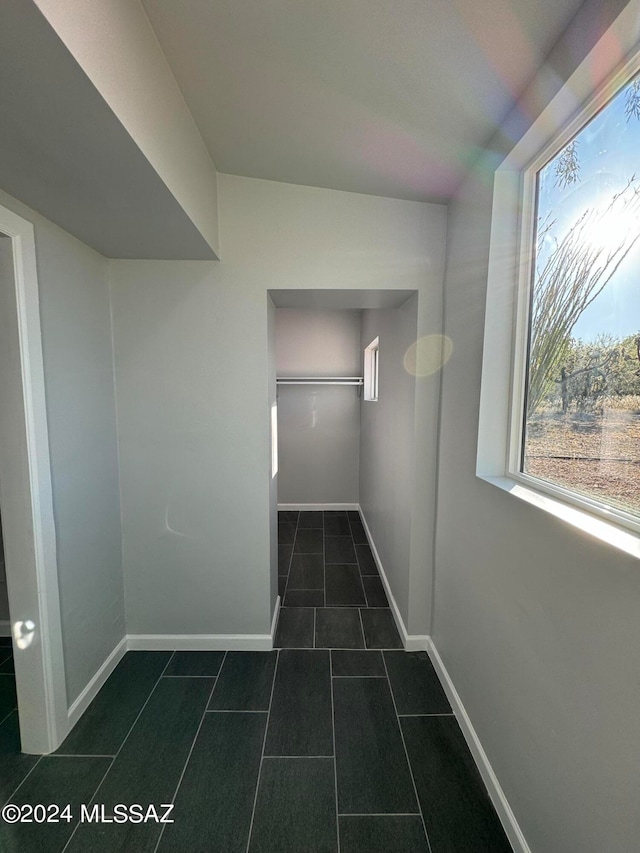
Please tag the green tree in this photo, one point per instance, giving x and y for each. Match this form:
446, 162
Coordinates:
572, 276
567, 170
592, 371
632, 100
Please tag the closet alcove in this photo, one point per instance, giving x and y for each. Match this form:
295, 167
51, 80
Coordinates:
337, 450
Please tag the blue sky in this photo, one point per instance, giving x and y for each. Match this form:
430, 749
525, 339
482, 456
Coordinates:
608, 150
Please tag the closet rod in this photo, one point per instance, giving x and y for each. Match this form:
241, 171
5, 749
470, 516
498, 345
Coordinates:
319, 380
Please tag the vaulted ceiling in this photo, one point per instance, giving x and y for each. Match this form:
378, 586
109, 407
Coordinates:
388, 97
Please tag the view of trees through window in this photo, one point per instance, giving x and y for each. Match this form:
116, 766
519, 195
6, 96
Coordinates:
582, 416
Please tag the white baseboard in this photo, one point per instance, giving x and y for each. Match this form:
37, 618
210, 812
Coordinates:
327, 507
5, 628
411, 642
416, 642
89, 693
207, 642
200, 642
170, 642
498, 798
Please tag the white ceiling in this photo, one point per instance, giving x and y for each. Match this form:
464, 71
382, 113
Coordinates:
388, 97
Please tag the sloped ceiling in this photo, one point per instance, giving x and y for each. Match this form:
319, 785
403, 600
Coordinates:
372, 96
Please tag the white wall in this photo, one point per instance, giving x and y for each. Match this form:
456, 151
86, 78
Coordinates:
388, 449
537, 624
78, 368
318, 426
4, 600
191, 348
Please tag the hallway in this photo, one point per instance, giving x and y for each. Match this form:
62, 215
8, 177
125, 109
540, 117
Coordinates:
349, 747
331, 590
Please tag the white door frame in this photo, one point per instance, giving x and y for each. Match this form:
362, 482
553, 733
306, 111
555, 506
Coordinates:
26, 499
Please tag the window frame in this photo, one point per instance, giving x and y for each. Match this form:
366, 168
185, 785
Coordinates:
371, 378
588, 111
512, 255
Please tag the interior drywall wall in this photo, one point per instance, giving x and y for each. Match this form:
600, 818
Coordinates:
4, 599
115, 46
537, 624
319, 426
388, 448
191, 351
78, 370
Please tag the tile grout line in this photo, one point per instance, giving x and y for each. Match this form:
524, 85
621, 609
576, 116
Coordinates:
380, 814
324, 580
9, 713
324, 568
357, 676
295, 536
8, 800
363, 587
193, 676
126, 737
104, 776
111, 757
229, 710
344, 648
335, 758
406, 752
443, 714
297, 757
193, 743
357, 558
364, 592
264, 744
293, 545
360, 575
79, 755
215, 683
364, 636
286, 583
321, 607
217, 678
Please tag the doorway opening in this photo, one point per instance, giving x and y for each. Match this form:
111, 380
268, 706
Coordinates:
346, 445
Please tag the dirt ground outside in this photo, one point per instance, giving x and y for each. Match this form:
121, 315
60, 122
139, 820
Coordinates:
596, 454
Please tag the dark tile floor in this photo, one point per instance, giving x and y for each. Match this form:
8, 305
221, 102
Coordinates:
331, 592
300, 750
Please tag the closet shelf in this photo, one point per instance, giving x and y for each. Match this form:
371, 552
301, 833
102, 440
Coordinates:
319, 380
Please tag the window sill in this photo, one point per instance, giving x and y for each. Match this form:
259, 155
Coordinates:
605, 531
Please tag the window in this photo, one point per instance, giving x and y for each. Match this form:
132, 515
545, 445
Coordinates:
560, 399
371, 371
581, 409
274, 440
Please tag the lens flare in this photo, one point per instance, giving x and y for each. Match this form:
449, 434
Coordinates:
428, 355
